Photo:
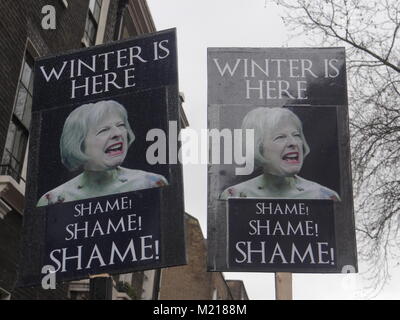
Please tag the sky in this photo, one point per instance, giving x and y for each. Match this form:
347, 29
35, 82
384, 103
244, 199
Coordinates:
239, 23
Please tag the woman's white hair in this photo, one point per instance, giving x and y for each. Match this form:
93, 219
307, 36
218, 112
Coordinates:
262, 119
77, 125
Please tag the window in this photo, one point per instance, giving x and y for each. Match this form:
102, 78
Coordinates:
92, 22
4, 295
215, 294
18, 132
65, 3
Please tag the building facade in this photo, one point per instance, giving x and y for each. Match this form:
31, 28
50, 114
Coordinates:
28, 30
33, 28
192, 281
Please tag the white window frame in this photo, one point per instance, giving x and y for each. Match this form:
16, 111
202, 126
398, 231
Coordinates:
101, 26
4, 294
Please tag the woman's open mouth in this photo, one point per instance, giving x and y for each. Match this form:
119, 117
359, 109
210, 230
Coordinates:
115, 149
291, 158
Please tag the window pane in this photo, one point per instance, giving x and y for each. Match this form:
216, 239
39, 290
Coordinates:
92, 4
19, 148
86, 40
14, 153
96, 13
26, 74
30, 87
87, 24
9, 143
26, 120
125, 33
20, 102
92, 32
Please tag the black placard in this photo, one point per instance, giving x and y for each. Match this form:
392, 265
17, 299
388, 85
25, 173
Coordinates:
92, 107
104, 234
287, 235
279, 124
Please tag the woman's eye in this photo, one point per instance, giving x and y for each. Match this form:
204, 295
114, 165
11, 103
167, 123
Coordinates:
102, 131
122, 125
279, 137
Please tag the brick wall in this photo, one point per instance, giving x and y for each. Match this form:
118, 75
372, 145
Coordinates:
21, 20
9, 234
10, 229
220, 285
237, 289
12, 44
193, 282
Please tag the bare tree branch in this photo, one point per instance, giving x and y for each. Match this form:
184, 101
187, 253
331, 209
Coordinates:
369, 29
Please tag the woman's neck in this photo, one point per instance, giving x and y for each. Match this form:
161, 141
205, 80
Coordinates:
94, 179
278, 183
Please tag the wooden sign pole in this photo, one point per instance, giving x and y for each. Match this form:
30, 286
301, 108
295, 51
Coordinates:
283, 286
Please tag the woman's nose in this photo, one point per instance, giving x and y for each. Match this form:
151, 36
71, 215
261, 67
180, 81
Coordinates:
116, 132
291, 142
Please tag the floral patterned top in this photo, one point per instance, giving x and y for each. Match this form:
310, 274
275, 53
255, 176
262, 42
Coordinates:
302, 189
125, 180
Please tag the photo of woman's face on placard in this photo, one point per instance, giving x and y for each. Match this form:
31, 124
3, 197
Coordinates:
106, 143
281, 150
95, 140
